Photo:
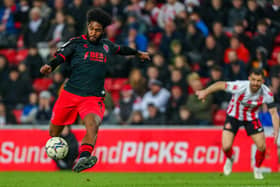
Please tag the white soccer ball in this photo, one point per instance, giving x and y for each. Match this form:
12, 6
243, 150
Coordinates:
56, 148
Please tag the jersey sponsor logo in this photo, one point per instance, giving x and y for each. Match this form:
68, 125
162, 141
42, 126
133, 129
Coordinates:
95, 56
106, 48
235, 87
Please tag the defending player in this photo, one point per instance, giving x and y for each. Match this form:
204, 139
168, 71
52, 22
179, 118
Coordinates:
84, 92
247, 98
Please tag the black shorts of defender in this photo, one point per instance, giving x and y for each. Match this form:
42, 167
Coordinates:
252, 127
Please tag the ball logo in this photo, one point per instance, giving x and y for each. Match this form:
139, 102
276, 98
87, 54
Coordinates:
106, 48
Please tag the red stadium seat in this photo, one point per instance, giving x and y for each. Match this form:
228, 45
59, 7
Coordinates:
118, 83
271, 62
108, 84
277, 40
21, 55
41, 84
275, 52
10, 54
17, 113
219, 117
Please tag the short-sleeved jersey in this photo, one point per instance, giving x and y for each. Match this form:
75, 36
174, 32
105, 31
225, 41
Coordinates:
244, 104
88, 63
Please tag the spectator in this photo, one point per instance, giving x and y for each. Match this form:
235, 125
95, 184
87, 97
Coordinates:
193, 42
77, 9
157, 95
6, 117
236, 13
115, 8
219, 35
44, 112
155, 117
33, 62
59, 6
36, 29
220, 98
30, 110
169, 11
4, 70
253, 15
152, 73
137, 82
176, 100
181, 63
200, 110
272, 14
210, 56
138, 39
275, 70
215, 12
239, 31
199, 23
15, 91
242, 52
44, 9
275, 88
8, 24
169, 34
160, 63
192, 5
57, 84
263, 38
60, 31
185, 117
259, 60
127, 104
137, 118
235, 70
177, 79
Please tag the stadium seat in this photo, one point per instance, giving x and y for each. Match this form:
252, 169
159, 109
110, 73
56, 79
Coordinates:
10, 54
118, 83
41, 84
275, 52
17, 113
219, 117
108, 84
277, 40
21, 55
271, 62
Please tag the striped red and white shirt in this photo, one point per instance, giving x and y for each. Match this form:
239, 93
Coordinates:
244, 104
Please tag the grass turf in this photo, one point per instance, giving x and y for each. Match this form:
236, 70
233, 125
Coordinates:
70, 179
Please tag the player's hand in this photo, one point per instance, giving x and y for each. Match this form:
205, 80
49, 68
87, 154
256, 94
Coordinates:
201, 94
275, 135
46, 69
143, 55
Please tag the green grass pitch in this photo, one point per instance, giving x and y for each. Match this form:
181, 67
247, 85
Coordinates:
70, 179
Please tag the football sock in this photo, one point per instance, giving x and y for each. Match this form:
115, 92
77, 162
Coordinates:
229, 153
85, 150
259, 157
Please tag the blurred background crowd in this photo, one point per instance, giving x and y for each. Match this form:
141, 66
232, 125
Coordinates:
193, 43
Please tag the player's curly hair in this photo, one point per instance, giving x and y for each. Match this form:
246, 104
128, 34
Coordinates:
100, 16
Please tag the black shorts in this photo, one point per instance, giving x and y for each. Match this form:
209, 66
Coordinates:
252, 127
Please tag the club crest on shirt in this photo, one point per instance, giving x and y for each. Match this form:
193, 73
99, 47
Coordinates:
106, 48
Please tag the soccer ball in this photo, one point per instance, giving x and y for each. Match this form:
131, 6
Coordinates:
56, 148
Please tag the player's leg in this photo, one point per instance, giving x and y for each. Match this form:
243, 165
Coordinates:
230, 129
55, 130
255, 130
91, 110
92, 123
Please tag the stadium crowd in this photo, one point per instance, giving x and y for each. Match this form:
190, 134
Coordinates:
193, 43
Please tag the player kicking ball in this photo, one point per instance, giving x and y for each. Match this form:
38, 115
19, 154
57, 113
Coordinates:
83, 94
247, 98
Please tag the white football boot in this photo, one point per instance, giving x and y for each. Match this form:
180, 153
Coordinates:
228, 166
258, 173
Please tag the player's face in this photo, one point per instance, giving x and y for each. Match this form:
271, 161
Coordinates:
95, 31
255, 82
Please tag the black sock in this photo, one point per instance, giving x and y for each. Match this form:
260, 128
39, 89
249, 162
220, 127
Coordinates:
85, 154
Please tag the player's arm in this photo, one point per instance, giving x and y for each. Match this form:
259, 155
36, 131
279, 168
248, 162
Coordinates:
275, 121
218, 86
61, 55
125, 50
